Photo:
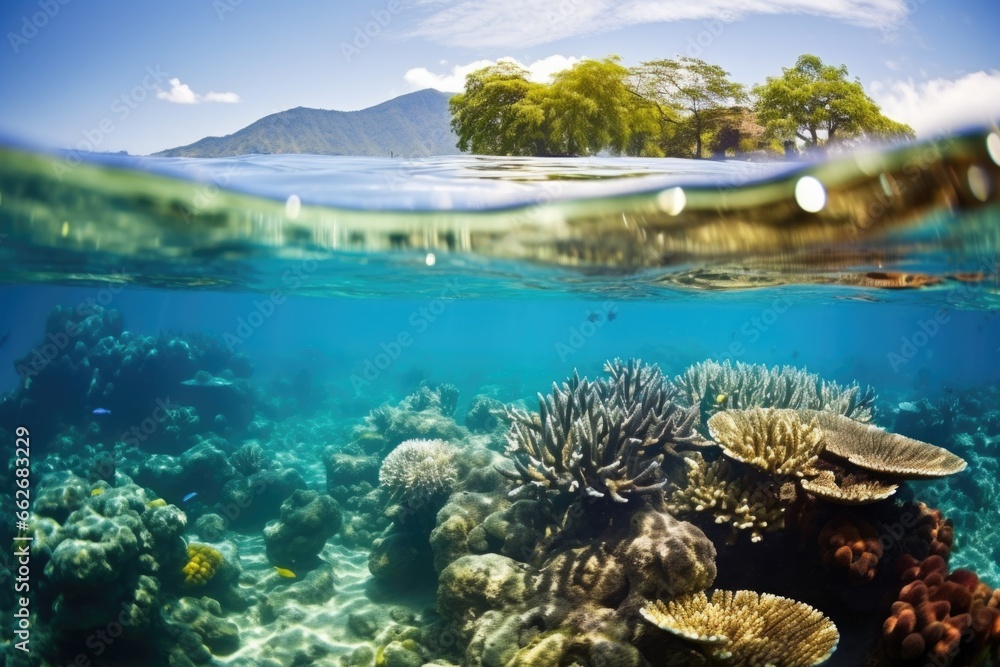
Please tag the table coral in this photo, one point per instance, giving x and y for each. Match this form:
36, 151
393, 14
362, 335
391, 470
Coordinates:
746, 628
778, 442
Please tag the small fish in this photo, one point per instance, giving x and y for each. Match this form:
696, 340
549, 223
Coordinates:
612, 315
283, 572
157, 502
720, 399
595, 316
190, 496
3, 338
102, 411
96, 492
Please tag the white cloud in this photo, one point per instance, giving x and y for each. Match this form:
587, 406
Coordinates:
520, 23
941, 105
181, 93
454, 81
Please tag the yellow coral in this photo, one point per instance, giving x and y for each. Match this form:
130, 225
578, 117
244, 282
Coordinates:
203, 561
746, 628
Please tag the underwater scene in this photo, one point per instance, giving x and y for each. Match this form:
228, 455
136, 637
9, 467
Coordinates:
276, 411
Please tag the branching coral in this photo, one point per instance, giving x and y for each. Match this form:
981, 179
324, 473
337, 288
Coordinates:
744, 502
604, 439
778, 442
418, 470
747, 628
752, 385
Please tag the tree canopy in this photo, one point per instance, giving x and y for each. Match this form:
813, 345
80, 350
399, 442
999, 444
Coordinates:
812, 101
673, 107
688, 91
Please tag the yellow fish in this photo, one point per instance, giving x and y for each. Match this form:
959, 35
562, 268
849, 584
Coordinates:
96, 492
282, 572
721, 398
157, 502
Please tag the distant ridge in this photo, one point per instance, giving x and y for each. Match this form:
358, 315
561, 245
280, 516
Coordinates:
412, 125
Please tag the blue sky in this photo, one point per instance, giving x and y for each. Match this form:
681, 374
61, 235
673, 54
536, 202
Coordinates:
144, 76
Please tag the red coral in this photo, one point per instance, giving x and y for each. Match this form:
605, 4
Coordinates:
947, 619
852, 544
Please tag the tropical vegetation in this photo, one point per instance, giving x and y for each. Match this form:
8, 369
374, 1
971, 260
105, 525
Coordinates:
682, 107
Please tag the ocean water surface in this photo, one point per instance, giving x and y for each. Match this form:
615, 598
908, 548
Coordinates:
307, 410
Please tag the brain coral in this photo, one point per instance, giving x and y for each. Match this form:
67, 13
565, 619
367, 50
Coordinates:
418, 470
202, 563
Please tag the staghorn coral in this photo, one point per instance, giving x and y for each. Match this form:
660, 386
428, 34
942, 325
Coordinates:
850, 543
751, 385
744, 502
945, 619
603, 439
744, 628
774, 441
203, 561
881, 452
418, 470
848, 488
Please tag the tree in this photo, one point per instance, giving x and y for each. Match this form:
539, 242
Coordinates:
588, 108
813, 102
495, 114
687, 91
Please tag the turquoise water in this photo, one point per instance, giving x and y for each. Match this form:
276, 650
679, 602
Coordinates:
265, 332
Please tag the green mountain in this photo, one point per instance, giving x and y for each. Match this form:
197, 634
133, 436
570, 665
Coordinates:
412, 125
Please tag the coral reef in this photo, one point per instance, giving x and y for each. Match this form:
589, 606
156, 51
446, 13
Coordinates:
745, 502
424, 415
603, 439
883, 453
307, 521
108, 561
249, 459
941, 618
203, 562
747, 628
778, 442
711, 385
344, 470
418, 471
248, 503
511, 611
851, 544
